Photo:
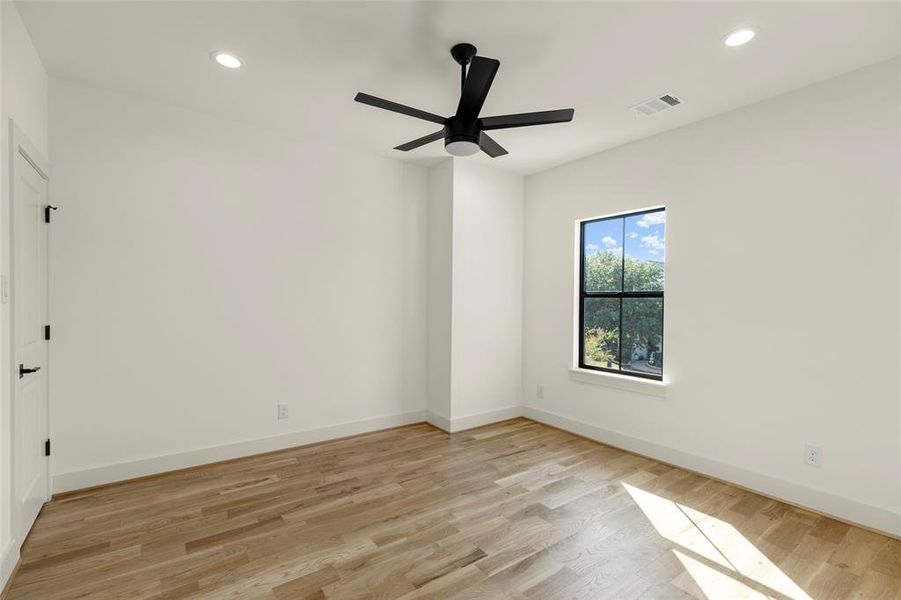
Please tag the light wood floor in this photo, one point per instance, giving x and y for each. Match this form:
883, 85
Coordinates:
513, 510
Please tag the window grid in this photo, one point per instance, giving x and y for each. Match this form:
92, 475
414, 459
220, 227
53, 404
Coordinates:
621, 294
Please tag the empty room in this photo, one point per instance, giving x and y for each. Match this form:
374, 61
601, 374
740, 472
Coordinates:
466, 300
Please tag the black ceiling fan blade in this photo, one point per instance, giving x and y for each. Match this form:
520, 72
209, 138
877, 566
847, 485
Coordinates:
475, 89
490, 147
426, 139
398, 108
544, 117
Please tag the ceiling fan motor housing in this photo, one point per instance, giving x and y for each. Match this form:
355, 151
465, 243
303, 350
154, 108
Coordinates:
458, 130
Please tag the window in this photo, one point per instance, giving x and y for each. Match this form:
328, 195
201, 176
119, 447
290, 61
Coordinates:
621, 294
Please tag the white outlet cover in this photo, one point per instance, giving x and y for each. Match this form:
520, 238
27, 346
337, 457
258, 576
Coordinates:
813, 455
282, 411
540, 391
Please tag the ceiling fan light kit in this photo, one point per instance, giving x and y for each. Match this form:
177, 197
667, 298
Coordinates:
462, 148
464, 132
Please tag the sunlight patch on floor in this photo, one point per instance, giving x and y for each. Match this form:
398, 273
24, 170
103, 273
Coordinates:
744, 556
715, 584
703, 538
673, 524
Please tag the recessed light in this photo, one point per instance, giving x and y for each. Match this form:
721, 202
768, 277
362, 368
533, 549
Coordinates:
229, 61
740, 37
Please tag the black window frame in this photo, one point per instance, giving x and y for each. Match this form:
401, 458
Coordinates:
621, 294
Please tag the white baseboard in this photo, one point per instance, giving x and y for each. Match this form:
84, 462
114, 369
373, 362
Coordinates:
485, 418
439, 421
65, 482
8, 559
874, 517
456, 424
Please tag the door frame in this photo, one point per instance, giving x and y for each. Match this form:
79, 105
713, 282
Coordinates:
21, 145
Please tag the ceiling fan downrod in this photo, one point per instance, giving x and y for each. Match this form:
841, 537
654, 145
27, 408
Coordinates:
463, 54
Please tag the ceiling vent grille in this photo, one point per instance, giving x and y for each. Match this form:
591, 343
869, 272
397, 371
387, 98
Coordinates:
657, 104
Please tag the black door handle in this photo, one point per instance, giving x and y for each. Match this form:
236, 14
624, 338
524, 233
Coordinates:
23, 371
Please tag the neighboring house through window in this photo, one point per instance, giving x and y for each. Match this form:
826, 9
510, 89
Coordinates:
621, 293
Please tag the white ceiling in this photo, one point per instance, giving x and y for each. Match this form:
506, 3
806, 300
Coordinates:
305, 61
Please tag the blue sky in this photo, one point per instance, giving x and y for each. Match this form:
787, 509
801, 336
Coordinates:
644, 236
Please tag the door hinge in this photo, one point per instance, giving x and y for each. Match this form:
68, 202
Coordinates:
47, 447
47, 210
47, 332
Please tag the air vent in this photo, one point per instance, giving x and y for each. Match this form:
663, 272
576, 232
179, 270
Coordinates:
656, 105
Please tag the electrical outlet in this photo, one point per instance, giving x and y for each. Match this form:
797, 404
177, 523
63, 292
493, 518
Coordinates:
539, 391
282, 411
813, 455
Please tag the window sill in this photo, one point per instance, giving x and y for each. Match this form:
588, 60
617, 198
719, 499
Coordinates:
648, 387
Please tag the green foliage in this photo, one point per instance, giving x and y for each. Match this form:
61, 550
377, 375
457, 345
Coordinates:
643, 276
642, 323
600, 346
642, 317
603, 272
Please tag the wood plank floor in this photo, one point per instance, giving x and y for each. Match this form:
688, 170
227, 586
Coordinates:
513, 510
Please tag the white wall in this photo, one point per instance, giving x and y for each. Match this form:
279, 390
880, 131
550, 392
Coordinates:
440, 290
205, 271
23, 99
25, 83
475, 295
782, 296
487, 292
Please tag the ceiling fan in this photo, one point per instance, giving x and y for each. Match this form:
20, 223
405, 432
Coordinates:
464, 133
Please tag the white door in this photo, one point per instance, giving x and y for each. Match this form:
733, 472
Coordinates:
29, 316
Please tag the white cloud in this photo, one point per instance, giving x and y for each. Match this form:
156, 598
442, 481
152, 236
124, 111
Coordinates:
633, 235
591, 248
653, 252
608, 241
616, 251
653, 242
657, 218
